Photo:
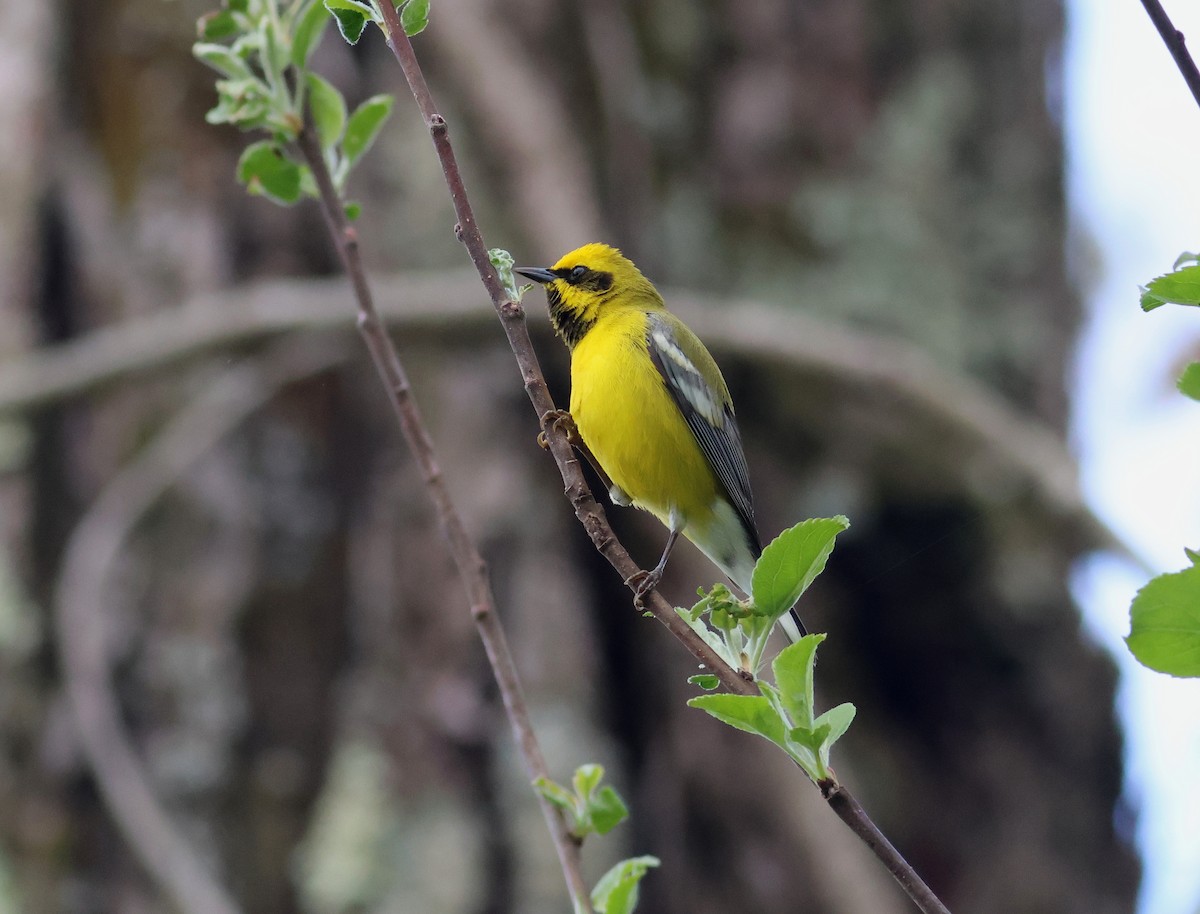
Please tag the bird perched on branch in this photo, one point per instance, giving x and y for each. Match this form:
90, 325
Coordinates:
649, 403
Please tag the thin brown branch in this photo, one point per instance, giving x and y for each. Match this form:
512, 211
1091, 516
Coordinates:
471, 566
856, 818
79, 616
590, 514
1173, 39
549, 185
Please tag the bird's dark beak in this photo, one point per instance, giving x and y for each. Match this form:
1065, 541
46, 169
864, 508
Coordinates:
537, 274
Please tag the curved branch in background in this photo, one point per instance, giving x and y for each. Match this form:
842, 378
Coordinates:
526, 124
79, 615
441, 305
1173, 39
591, 516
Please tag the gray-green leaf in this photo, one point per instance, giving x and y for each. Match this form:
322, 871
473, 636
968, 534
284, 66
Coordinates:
328, 110
221, 59
264, 169
309, 30
617, 890
216, 25
364, 125
351, 17
414, 17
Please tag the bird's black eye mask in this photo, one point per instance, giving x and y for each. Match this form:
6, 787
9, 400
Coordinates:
584, 278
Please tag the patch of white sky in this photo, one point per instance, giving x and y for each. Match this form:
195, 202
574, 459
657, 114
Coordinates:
1133, 140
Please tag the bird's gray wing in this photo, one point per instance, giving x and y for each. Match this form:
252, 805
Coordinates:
707, 410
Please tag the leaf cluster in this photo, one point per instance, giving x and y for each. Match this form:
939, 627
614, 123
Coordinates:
262, 50
784, 713
592, 809
738, 629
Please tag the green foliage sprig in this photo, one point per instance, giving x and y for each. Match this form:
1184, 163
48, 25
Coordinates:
738, 629
262, 50
592, 809
1164, 617
784, 713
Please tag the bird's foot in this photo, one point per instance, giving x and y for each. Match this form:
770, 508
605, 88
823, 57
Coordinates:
558, 418
643, 582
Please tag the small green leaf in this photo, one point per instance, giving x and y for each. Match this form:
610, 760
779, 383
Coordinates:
244, 103
706, 681
556, 794
1193, 555
790, 563
414, 17
1189, 381
328, 110
617, 890
351, 6
833, 723
309, 30
308, 184
1185, 258
793, 669
1180, 287
264, 169
364, 125
353, 210
351, 17
751, 713
275, 56
606, 810
586, 779
216, 25
1165, 623
221, 59
1149, 301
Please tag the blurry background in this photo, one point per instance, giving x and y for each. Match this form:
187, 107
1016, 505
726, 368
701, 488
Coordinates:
862, 208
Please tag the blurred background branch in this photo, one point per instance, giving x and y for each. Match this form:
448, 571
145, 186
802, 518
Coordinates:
82, 616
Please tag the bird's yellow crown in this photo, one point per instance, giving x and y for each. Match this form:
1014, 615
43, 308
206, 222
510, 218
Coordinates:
590, 282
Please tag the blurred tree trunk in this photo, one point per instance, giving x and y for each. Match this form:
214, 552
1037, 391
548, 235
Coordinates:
290, 645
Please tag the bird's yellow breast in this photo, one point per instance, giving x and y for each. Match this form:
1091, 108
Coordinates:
632, 426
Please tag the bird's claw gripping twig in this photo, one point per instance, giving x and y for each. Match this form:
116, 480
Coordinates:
643, 583
559, 418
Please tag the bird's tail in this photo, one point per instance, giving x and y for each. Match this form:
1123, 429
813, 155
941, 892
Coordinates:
792, 626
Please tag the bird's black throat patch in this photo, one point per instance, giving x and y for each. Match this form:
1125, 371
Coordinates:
568, 323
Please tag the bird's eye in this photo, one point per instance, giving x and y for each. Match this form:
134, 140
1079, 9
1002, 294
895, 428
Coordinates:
578, 273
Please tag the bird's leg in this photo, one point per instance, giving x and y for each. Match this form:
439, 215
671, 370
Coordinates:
646, 581
565, 421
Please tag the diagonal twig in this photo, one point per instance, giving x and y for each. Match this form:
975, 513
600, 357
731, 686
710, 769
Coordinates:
1173, 39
